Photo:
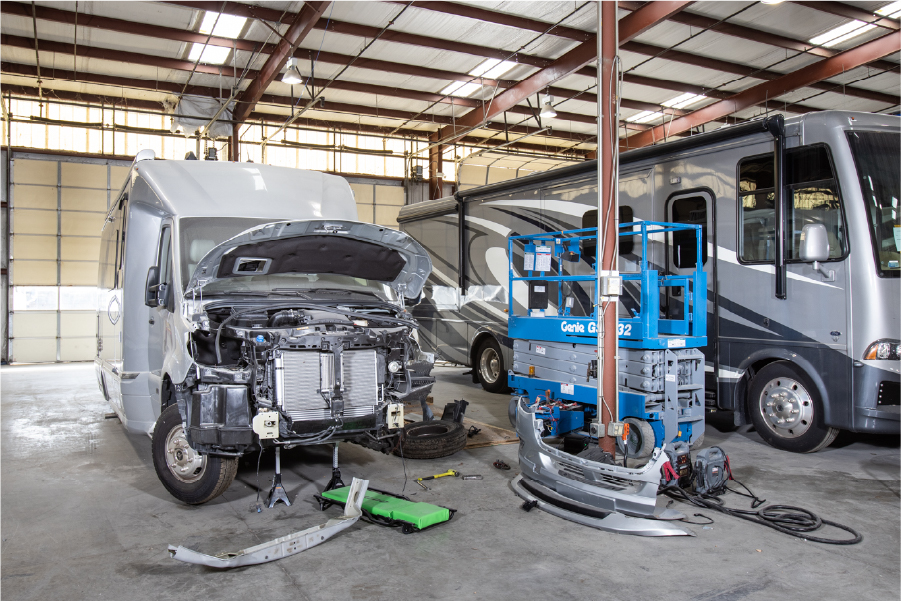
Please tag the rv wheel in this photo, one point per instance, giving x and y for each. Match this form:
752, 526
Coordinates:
787, 411
187, 475
490, 366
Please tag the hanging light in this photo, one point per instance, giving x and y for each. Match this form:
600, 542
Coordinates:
292, 76
547, 109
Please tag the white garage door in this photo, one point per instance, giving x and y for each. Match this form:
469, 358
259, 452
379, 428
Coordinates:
57, 206
377, 202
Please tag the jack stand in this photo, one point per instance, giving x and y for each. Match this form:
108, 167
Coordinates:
336, 481
278, 491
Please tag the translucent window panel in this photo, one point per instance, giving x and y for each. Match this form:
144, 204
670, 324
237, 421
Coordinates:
34, 324
31, 221
81, 199
34, 197
35, 298
389, 195
32, 351
34, 247
77, 323
35, 172
117, 176
33, 273
77, 349
81, 224
79, 248
78, 273
83, 175
78, 298
365, 213
386, 215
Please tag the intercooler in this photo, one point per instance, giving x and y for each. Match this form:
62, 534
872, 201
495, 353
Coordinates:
301, 375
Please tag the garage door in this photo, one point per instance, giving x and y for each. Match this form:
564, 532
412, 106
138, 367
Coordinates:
377, 202
57, 207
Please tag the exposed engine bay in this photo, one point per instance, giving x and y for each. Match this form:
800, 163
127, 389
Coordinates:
300, 373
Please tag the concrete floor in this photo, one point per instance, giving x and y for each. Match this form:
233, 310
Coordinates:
84, 516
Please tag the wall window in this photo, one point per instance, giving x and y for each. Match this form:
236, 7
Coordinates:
813, 198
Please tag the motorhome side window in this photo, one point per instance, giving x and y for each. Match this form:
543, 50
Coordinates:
813, 198
626, 215
691, 210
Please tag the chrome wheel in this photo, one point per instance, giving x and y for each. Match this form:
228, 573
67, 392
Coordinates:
786, 407
185, 464
489, 365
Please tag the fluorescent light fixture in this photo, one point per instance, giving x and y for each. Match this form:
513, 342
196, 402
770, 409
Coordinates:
458, 88
892, 11
771, 1
492, 68
841, 34
680, 102
228, 26
292, 76
547, 109
644, 117
212, 55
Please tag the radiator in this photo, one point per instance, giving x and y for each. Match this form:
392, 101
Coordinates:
300, 375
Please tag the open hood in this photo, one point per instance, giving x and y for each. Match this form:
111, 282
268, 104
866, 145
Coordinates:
321, 246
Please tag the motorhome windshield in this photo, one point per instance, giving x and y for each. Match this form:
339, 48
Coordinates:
877, 156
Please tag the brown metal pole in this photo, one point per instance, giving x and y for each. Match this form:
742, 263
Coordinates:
436, 156
607, 214
234, 144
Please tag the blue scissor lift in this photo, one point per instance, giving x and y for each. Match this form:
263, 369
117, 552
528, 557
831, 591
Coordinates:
661, 372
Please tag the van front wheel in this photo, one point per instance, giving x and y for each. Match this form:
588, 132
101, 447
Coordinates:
787, 410
187, 475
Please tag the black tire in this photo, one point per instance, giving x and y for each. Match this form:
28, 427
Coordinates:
782, 391
431, 440
641, 438
697, 443
489, 366
191, 478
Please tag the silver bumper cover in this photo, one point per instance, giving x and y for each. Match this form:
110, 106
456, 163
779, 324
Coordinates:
285, 545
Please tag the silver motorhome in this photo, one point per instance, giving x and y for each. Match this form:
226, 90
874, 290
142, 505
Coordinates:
243, 306
803, 322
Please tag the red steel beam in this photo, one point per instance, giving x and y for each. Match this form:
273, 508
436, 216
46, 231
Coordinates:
302, 25
804, 77
572, 61
851, 12
500, 18
247, 11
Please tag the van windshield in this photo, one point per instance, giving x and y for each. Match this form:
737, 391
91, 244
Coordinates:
877, 156
200, 235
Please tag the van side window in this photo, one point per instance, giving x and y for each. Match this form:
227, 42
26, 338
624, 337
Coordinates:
814, 198
692, 210
164, 260
626, 243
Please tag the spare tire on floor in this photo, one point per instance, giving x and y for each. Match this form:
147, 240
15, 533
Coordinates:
431, 439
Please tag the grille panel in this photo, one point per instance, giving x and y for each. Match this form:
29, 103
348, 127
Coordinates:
303, 379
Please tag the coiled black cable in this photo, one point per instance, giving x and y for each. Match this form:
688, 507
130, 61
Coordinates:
788, 519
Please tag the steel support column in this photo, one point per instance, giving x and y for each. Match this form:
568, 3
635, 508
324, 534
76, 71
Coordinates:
608, 215
234, 143
436, 183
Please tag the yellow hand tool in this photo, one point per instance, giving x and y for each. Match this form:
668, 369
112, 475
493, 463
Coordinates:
453, 473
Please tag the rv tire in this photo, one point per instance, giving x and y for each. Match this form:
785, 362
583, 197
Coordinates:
188, 476
489, 366
787, 410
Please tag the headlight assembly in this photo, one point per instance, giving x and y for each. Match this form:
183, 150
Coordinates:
884, 350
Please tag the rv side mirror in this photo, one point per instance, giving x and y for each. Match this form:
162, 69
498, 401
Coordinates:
814, 243
151, 286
